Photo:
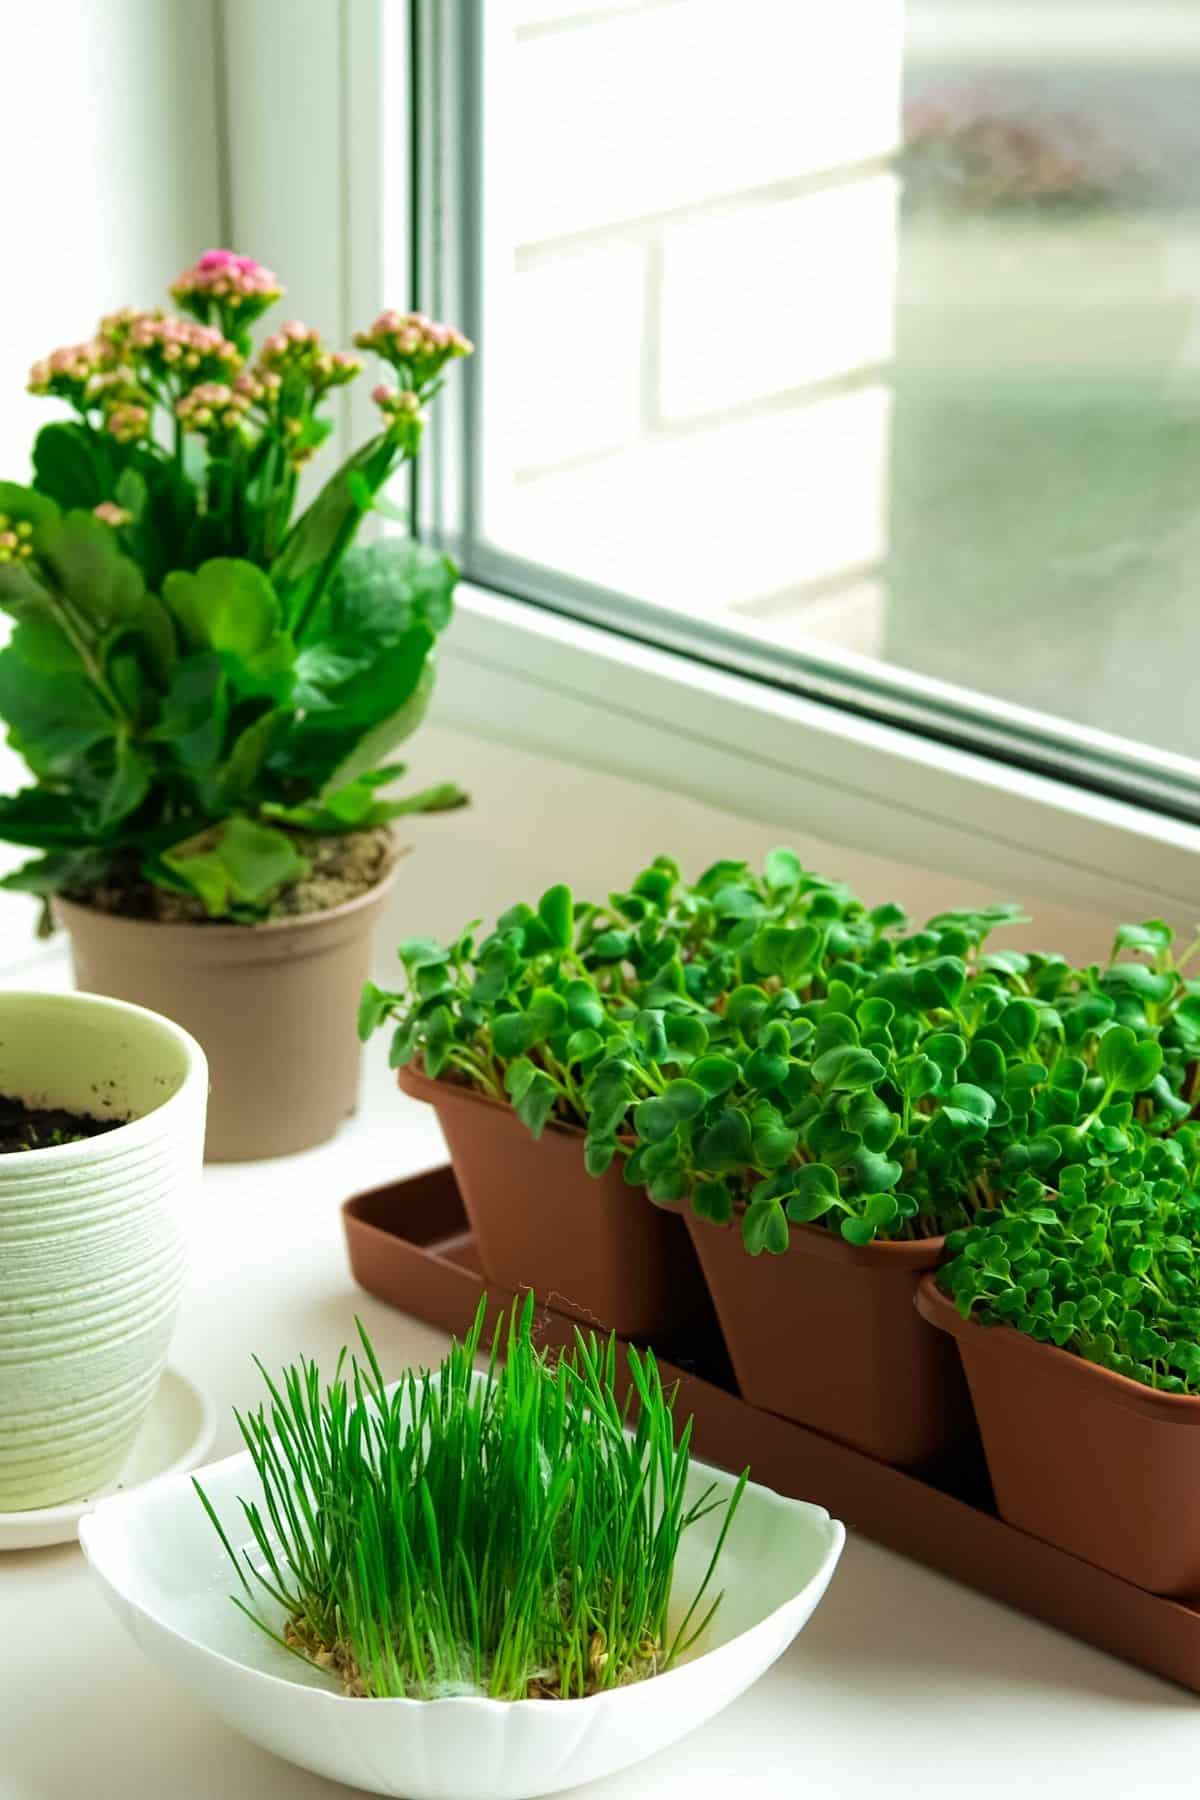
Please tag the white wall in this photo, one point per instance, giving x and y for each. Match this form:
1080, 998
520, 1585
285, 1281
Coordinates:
108, 140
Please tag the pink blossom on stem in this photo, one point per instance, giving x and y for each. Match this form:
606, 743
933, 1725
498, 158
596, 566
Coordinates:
181, 344
68, 370
415, 345
212, 407
298, 348
223, 275
401, 409
127, 421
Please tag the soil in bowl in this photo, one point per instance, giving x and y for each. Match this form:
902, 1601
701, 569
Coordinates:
41, 1127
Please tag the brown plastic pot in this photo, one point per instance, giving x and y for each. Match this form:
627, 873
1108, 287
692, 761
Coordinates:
589, 1246
1081, 1456
827, 1335
272, 1005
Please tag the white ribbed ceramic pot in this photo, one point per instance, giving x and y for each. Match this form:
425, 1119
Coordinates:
91, 1254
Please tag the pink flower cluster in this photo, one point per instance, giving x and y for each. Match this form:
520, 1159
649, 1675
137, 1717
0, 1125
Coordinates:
198, 367
131, 349
213, 406
256, 387
296, 346
127, 421
413, 343
397, 402
109, 513
401, 409
180, 343
225, 276
68, 370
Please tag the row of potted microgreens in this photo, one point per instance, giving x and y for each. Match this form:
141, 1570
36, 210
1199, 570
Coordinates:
769, 1048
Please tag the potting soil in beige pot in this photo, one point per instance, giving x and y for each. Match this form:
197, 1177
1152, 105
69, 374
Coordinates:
91, 1254
589, 1246
273, 1005
828, 1335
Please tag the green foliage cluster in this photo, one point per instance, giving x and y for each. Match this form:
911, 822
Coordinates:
193, 675
766, 1047
510, 1535
1106, 1265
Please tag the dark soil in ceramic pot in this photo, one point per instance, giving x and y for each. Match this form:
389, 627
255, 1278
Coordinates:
1083, 1457
24, 1127
828, 1335
272, 1005
592, 1247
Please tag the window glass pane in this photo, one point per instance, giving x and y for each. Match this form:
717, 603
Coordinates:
861, 338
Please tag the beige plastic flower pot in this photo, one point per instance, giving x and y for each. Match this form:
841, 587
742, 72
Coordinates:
274, 1006
91, 1256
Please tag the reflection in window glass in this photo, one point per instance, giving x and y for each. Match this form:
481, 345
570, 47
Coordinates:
1043, 524
868, 331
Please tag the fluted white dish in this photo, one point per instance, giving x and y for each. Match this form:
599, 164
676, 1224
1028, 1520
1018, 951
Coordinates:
91, 1252
165, 1572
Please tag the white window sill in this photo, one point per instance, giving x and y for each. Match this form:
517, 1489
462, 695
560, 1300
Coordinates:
516, 673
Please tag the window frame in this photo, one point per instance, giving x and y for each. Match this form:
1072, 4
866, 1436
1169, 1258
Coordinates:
756, 739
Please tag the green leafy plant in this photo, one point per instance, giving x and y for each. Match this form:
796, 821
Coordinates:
578, 1010
905, 1099
767, 1048
1106, 1264
196, 677
508, 1534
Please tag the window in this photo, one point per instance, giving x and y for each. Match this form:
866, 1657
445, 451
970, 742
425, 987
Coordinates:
854, 347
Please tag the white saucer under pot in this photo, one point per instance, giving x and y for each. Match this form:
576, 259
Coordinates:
176, 1434
91, 1252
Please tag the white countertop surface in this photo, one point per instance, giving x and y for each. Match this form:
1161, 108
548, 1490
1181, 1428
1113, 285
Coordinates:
904, 1685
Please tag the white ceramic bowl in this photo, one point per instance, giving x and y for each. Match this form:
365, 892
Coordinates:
169, 1579
91, 1255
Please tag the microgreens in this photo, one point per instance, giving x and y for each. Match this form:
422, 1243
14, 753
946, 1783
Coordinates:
770, 1049
1107, 1265
508, 1534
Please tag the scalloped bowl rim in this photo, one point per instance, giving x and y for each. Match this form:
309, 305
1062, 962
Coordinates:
92, 1526
114, 1545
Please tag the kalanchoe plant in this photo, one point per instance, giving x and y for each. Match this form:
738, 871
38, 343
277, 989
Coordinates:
196, 676
1106, 1264
503, 1535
